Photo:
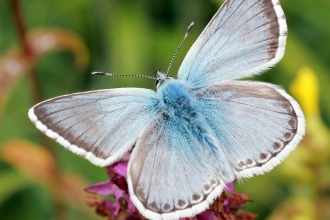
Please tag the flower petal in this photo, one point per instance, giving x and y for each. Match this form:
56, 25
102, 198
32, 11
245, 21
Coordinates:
230, 187
121, 169
103, 188
206, 215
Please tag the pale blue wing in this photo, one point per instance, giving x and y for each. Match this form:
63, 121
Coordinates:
99, 125
257, 124
171, 174
244, 38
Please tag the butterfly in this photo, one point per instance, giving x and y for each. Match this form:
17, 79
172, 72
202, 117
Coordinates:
198, 132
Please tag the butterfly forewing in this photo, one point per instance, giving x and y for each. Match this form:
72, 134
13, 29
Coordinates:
257, 124
244, 38
100, 125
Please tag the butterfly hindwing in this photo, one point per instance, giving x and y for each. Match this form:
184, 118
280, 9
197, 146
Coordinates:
244, 38
171, 174
99, 125
257, 124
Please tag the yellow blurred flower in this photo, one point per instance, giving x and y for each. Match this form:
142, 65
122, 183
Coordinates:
305, 89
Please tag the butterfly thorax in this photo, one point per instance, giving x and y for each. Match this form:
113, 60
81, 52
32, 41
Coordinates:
179, 105
176, 100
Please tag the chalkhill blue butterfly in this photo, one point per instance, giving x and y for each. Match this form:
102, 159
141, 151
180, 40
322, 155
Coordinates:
198, 132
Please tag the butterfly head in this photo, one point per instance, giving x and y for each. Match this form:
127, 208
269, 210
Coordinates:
162, 79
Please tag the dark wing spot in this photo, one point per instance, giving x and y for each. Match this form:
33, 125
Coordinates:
213, 182
293, 123
167, 208
196, 198
241, 164
288, 136
277, 147
153, 207
249, 161
207, 187
263, 156
181, 204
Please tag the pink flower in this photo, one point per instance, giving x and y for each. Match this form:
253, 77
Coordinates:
224, 207
116, 186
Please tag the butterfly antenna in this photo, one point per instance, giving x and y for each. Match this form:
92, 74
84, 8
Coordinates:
112, 74
176, 51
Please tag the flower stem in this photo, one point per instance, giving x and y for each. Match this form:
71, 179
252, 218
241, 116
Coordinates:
33, 75
36, 93
35, 84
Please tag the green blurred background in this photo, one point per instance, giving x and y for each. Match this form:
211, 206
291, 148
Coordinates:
69, 39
